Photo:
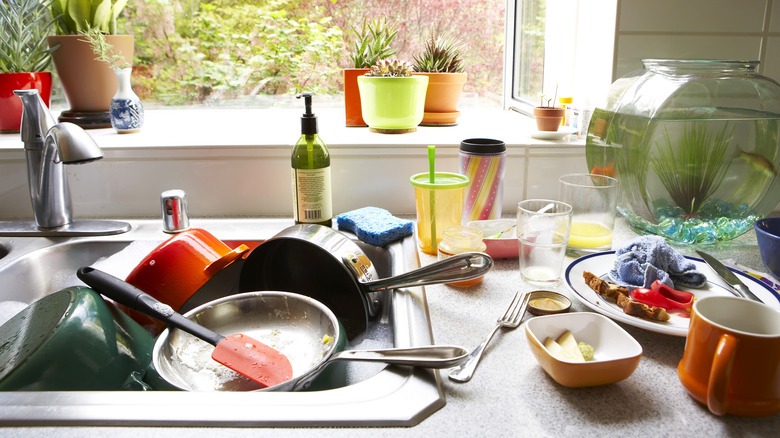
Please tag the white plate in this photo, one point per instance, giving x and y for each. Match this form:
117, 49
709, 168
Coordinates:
563, 131
601, 263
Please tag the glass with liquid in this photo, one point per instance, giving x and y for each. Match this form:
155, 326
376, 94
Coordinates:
593, 199
543, 232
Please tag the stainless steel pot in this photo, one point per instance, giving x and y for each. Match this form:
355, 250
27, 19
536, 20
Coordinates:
328, 266
301, 328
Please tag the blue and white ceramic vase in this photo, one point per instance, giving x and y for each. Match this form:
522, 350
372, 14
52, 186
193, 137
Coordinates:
127, 111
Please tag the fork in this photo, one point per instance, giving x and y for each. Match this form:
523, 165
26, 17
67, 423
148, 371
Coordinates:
511, 319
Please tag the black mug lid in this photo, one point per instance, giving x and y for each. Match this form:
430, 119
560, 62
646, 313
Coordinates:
482, 146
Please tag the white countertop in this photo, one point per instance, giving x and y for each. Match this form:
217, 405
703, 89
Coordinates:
510, 395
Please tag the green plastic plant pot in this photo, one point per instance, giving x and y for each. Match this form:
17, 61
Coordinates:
393, 104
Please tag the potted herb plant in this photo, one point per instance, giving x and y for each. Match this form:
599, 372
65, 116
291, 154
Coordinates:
89, 84
127, 111
24, 56
441, 62
372, 44
548, 117
392, 98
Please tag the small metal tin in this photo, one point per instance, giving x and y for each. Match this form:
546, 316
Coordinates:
174, 211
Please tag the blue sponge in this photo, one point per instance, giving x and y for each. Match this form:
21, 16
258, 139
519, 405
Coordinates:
374, 225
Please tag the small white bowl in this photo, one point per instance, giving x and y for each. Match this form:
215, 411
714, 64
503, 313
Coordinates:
504, 247
616, 353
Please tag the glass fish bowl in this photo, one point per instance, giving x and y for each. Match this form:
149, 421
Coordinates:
695, 146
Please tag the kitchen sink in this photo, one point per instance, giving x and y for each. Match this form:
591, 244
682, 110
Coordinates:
377, 395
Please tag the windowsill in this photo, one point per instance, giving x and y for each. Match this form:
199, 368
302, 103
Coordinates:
208, 128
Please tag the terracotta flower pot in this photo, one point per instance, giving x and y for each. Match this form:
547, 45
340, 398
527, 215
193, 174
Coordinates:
441, 100
89, 84
393, 105
11, 105
352, 109
548, 118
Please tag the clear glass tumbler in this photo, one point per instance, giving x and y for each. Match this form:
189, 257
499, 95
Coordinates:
543, 229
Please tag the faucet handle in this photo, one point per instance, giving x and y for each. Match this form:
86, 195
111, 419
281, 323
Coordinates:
174, 210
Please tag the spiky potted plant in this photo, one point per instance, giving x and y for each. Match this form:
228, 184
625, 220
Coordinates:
440, 60
372, 43
392, 98
89, 84
24, 56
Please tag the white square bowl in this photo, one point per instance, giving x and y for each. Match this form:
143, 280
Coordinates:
616, 353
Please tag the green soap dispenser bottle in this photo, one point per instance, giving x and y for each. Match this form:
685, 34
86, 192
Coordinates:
312, 201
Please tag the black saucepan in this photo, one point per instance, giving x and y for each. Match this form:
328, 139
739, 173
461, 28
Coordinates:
328, 266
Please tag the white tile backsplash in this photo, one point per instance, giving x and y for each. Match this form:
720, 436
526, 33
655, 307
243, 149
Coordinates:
771, 65
712, 16
632, 48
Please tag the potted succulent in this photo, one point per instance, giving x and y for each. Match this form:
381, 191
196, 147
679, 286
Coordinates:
548, 117
89, 84
372, 44
441, 62
392, 98
24, 56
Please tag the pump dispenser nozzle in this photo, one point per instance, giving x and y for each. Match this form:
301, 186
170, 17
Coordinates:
308, 119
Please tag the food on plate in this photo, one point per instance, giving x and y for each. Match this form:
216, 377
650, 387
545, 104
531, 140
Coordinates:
622, 297
567, 348
661, 295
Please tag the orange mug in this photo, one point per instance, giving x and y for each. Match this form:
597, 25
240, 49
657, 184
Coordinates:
731, 361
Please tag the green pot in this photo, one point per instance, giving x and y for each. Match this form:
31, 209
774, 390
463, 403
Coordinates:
72, 340
393, 104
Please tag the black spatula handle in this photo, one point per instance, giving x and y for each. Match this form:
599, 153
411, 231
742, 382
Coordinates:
128, 295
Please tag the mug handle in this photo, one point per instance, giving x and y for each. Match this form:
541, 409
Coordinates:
720, 373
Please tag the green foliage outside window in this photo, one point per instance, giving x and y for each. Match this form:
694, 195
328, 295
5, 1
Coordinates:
211, 51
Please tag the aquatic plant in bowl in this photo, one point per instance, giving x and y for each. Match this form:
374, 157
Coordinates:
695, 145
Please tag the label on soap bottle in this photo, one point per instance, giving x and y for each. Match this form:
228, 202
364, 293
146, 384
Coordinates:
311, 195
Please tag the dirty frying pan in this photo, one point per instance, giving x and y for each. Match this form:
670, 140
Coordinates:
328, 266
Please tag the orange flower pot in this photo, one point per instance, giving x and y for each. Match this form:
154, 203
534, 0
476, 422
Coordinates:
352, 109
89, 84
441, 100
548, 118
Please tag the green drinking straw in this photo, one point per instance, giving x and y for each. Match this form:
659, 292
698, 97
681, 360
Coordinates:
432, 179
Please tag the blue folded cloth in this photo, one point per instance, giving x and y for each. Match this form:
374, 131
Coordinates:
374, 225
650, 258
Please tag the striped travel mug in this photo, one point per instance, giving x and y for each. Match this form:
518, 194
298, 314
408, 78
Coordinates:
483, 160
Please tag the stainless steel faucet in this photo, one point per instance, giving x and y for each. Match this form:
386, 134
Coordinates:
48, 147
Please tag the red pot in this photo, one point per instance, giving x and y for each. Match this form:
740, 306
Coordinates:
352, 108
11, 105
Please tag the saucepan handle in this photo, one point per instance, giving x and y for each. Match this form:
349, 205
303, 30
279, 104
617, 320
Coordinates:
460, 267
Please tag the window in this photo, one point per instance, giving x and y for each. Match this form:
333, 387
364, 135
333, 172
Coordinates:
560, 48
249, 53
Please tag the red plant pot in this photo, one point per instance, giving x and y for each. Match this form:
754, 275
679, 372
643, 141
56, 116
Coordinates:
11, 105
353, 111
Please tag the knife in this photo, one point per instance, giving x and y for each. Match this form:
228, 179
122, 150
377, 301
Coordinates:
729, 277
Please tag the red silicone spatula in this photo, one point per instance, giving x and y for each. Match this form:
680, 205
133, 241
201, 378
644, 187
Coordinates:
241, 353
